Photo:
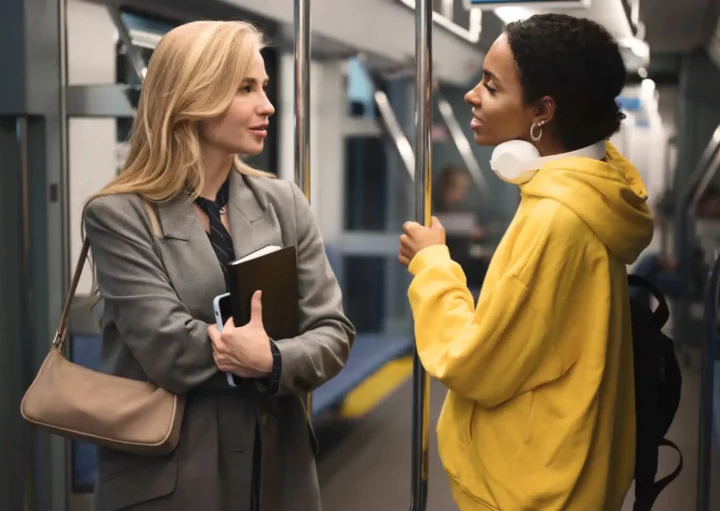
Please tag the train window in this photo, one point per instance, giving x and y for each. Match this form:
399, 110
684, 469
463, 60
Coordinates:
376, 193
366, 183
365, 156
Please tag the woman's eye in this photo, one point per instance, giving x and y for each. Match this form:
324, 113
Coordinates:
491, 90
245, 89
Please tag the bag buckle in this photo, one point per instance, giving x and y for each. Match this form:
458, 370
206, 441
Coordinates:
57, 340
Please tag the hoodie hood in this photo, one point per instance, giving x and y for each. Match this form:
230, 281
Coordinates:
608, 196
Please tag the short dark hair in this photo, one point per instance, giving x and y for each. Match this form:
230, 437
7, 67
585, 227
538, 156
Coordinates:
577, 63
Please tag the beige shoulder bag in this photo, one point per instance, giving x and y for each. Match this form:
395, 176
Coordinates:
75, 402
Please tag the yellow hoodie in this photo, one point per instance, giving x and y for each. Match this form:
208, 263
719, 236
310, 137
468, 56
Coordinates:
540, 410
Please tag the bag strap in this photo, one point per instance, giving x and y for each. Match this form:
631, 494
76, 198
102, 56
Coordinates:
647, 492
662, 313
61, 331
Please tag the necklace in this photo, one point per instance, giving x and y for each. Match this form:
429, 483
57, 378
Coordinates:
223, 210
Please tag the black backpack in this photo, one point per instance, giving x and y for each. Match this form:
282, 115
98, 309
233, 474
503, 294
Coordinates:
658, 383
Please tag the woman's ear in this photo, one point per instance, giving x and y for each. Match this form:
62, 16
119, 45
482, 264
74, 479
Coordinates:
544, 110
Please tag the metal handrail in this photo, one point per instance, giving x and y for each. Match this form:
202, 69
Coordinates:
460, 140
703, 169
390, 120
462, 144
707, 376
405, 149
702, 185
133, 52
684, 213
665, 248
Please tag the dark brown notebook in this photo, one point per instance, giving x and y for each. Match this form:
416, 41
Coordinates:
273, 271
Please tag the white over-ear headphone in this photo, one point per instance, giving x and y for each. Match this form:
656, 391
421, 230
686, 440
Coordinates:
517, 161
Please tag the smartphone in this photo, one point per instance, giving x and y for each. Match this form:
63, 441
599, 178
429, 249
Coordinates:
223, 310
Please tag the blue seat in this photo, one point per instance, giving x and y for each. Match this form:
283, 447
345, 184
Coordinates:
85, 349
369, 353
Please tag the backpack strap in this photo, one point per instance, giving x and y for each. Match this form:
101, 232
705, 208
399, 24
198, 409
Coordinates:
662, 313
646, 492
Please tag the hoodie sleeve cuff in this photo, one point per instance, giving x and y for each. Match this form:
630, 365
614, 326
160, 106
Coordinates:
429, 256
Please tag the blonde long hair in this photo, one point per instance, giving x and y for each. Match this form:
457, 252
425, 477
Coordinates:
194, 74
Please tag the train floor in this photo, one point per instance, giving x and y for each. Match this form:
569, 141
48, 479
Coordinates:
365, 463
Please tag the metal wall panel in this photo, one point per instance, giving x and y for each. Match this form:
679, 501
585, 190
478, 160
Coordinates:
33, 255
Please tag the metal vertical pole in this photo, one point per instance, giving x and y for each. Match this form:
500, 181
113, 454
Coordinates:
423, 191
302, 95
64, 144
302, 110
27, 355
709, 355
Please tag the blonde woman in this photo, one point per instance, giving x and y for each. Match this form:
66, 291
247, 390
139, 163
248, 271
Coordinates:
245, 444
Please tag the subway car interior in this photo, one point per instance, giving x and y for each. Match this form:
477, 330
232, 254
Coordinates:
69, 87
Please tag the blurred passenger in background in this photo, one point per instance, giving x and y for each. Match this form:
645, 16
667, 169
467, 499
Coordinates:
245, 441
454, 209
452, 192
540, 412
662, 269
453, 196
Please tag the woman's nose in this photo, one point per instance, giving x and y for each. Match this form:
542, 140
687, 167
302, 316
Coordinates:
267, 108
471, 97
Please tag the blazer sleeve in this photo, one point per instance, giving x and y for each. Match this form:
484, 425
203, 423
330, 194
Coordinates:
320, 352
171, 346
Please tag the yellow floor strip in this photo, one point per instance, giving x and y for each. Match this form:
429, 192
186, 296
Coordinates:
377, 387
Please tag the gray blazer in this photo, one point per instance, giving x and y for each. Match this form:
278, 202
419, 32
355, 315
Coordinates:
158, 294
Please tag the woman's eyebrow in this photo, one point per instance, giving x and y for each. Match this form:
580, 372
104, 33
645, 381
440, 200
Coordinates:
489, 75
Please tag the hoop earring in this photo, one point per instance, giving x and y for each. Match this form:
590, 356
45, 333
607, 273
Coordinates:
532, 132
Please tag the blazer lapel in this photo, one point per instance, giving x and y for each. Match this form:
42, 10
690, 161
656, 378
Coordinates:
179, 222
253, 223
178, 218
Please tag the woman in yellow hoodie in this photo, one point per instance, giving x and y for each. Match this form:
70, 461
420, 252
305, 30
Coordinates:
540, 410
